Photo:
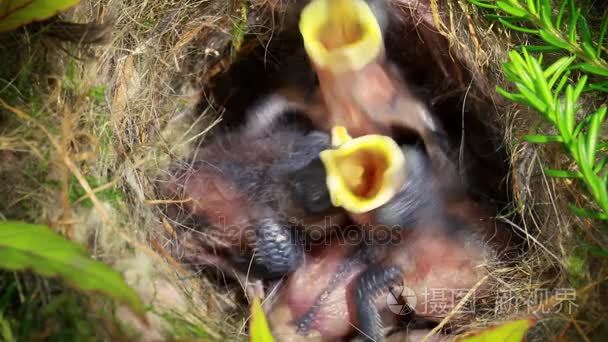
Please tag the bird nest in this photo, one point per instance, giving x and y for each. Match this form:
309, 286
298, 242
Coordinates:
142, 83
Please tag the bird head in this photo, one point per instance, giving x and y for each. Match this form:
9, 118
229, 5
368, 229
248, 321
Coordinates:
363, 173
340, 35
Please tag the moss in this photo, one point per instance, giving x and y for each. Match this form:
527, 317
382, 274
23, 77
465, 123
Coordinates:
6, 333
577, 266
239, 28
75, 192
70, 79
182, 328
35, 309
97, 93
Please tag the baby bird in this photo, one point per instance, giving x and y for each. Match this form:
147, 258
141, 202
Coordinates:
243, 194
262, 191
342, 291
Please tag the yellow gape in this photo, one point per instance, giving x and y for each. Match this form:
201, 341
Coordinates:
362, 173
340, 35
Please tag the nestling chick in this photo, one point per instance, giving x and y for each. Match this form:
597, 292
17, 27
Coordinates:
423, 237
342, 292
244, 193
359, 88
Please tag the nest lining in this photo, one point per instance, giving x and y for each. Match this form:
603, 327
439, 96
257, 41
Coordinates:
172, 70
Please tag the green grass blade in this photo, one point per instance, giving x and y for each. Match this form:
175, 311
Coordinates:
562, 173
587, 213
543, 139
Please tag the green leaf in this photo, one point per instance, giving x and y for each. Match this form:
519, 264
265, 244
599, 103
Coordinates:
581, 124
498, 16
543, 139
511, 96
36, 247
587, 67
532, 7
574, 16
15, 13
562, 82
571, 7
540, 48
582, 157
529, 60
482, 4
599, 166
566, 116
589, 50
517, 28
593, 182
516, 59
580, 85
512, 10
6, 333
587, 213
517, 69
542, 88
560, 14
557, 68
585, 32
532, 99
594, 129
513, 331
259, 331
545, 14
601, 86
555, 41
603, 30
561, 173
600, 252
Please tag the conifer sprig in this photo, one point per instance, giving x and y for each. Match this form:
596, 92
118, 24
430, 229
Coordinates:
552, 91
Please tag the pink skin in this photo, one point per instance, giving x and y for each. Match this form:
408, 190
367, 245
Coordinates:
230, 188
431, 258
333, 320
216, 199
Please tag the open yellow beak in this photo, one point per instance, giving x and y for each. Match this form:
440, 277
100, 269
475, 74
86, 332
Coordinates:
340, 35
362, 173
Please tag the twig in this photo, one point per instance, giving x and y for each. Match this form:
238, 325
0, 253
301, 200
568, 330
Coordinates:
454, 311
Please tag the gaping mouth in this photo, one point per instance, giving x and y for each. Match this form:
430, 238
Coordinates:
340, 35
363, 173
343, 26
